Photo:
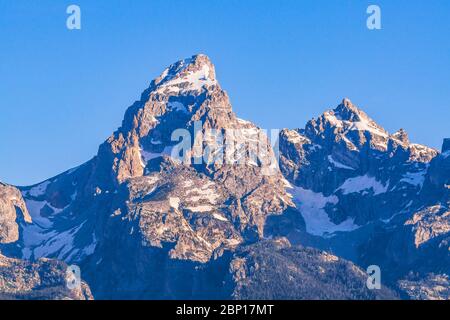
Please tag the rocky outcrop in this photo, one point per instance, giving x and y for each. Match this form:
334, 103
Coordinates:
430, 287
429, 223
276, 270
40, 280
12, 208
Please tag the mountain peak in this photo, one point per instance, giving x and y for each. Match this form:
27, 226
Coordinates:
346, 110
347, 103
402, 136
345, 119
188, 74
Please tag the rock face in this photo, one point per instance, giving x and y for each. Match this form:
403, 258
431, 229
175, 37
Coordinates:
181, 201
40, 280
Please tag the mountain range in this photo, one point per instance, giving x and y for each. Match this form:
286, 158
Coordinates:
187, 201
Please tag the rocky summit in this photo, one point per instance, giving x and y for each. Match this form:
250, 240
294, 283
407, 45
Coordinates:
369, 196
187, 201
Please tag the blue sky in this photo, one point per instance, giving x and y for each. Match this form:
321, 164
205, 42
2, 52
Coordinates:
282, 62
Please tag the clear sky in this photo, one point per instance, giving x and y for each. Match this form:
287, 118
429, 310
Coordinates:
63, 92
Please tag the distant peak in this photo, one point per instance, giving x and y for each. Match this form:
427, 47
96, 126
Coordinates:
349, 117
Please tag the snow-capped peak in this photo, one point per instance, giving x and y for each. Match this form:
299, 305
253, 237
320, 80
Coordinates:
191, 74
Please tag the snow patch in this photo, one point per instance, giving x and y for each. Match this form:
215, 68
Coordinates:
155, 141
174, 202
193, 81
201, 208
242, 121
414, 178
333, 120
34, 208
147, 156
312, 207
295, 137
337, 164
363, 125
219, 217
363, 183
203, 194
177, 106
367, 126
40, 239
232, 242
39, 189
